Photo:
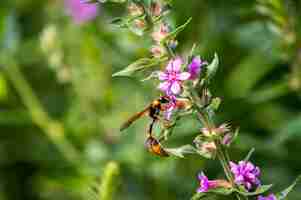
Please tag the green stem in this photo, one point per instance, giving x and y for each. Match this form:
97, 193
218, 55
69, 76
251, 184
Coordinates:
222, 154
52, 128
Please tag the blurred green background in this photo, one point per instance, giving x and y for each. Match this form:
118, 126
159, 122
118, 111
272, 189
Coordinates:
61, 110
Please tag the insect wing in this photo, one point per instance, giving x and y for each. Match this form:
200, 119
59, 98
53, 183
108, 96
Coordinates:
134, 118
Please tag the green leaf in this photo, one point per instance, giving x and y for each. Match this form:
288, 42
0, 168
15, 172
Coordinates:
212, 68
119, 21
283, 195
199, 195
174, 33
247, 158
259, 190
221, 191
233, 137
217, 191
126, 22
139, 65
168, 1
215, 103
206, 154
181, 151
3, 88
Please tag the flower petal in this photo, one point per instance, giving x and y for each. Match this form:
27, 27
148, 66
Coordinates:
201, 176
194, 67
164, 86
183, 76
162, 76
176, 64
200, 190
175, 87
81, 12
169, 67
167, 114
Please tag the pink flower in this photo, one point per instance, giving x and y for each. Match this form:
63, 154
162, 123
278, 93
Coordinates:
172, 77
195, 67
81, 12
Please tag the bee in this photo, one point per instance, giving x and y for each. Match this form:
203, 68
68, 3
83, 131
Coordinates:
154, 146
153, 110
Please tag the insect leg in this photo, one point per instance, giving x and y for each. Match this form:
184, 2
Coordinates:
150, 130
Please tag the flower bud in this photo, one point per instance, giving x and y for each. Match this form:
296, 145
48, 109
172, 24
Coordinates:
227, 139
208, 147
156, 9
158, 51
161, 32
172, 44
140, 23
206, 132
135, 10
221, 130
49, 38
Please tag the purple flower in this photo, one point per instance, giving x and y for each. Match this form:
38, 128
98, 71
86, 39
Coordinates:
80, 11
205, 184
194, 68
270, 197
246, 174
172, 77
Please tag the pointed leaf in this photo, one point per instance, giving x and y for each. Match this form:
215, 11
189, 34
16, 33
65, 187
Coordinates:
217, 191
181, 151
118, 21
212, 68
221, 191
215, 103
283, 195
174, 33
259, 190
247, 158
199, 195
139, 65
127, 22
